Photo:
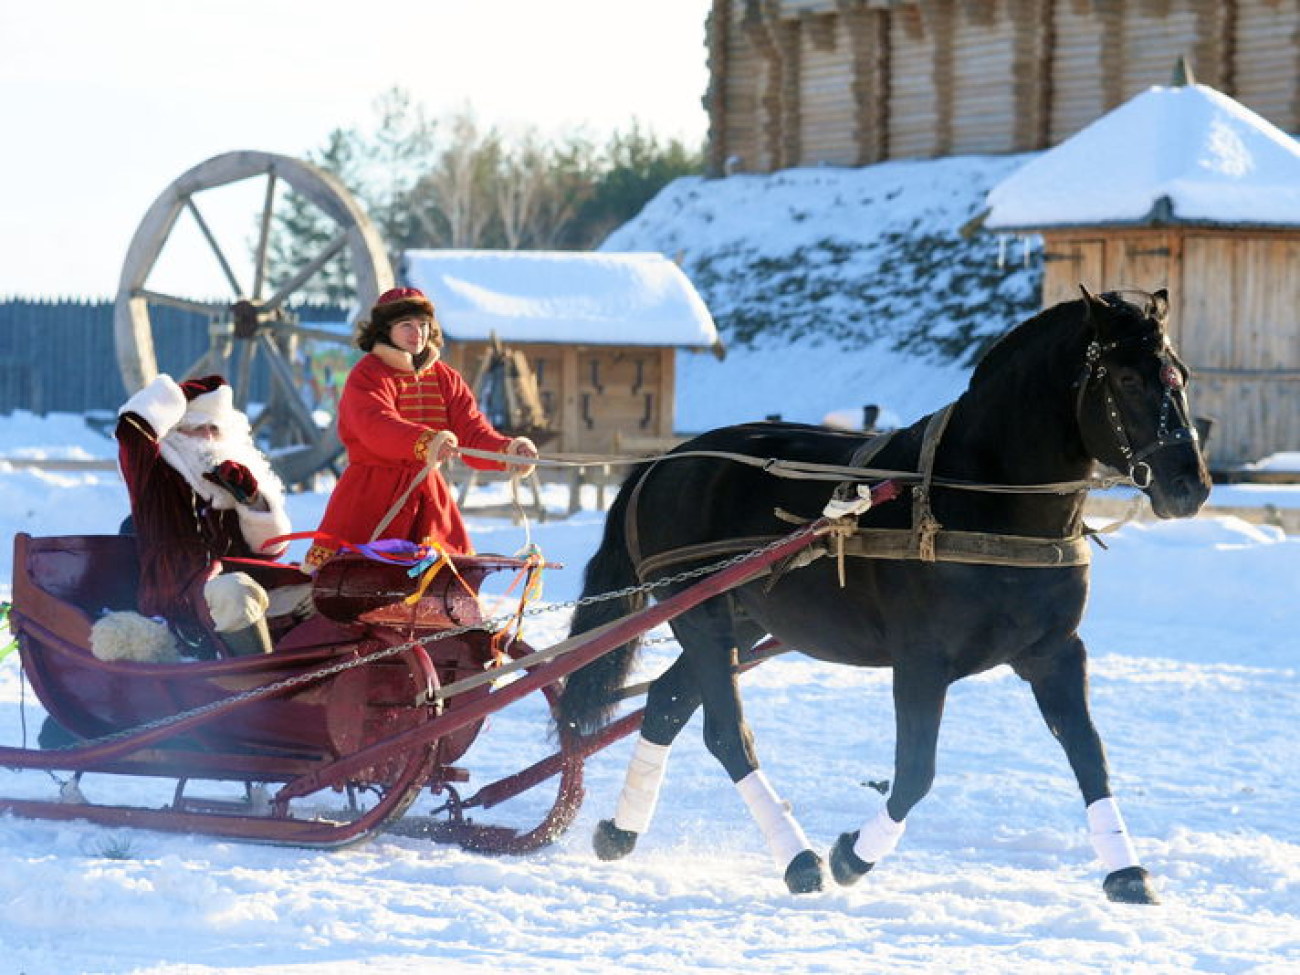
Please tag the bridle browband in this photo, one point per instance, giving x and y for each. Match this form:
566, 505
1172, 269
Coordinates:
1171, 404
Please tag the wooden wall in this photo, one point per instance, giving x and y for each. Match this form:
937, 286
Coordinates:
852, 82
590, 392
1235, 318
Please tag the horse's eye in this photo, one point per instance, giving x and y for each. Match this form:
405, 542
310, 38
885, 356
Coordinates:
1130, 382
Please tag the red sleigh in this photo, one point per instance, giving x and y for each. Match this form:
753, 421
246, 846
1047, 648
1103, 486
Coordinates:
374, 699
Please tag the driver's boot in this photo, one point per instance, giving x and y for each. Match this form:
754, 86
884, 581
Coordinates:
249, 641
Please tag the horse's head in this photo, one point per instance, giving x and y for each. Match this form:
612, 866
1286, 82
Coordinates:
1132, 402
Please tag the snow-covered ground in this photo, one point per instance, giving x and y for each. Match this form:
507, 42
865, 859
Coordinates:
1195, 689
835, 289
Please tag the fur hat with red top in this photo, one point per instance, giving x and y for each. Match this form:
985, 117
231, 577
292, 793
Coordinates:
397, 303
207, 401
393, 304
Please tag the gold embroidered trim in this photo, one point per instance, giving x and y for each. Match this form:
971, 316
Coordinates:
422, 446
317, 556
142, 427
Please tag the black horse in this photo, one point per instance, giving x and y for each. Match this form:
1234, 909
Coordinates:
993, 568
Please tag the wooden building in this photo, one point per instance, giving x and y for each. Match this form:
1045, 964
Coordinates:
1186, 189
854, 82
600, 331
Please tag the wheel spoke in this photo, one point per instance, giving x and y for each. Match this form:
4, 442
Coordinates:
243, 373
282, 373
243, 328
202, 366
315, 334
295, 282
212, 242
263, 238
184, 304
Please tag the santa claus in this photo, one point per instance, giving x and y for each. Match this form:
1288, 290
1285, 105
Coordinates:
201, 491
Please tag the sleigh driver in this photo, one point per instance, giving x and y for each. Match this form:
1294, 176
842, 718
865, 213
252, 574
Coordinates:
201, 492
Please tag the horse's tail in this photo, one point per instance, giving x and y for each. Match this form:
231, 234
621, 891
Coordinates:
591, 693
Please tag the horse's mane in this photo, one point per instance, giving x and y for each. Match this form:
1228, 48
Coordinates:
1013, 343
1135, 305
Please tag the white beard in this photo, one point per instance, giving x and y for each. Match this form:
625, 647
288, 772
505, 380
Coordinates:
193, 457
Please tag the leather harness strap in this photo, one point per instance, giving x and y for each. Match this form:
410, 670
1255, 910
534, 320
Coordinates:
925, 541
924, 524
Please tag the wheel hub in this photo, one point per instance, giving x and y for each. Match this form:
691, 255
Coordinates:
246, 318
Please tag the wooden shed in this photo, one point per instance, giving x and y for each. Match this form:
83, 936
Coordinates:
854, 82
1186, 189
600, 331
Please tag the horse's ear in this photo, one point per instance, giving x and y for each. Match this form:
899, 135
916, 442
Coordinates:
1160, 305
1091, 303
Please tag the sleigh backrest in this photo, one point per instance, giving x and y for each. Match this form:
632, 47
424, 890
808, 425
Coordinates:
92, 572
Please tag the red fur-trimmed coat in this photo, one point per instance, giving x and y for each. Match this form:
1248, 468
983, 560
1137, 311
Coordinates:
181, 534
388, 417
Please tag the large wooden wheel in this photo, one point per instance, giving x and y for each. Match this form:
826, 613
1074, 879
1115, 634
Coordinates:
246, 324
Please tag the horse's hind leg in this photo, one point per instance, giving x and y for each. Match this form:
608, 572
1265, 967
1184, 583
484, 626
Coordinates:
670, 702
918, 708
1060, 687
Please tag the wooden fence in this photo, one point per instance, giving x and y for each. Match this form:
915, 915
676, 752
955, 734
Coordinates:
58, 356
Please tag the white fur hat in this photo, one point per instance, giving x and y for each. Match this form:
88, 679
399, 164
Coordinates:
215, 406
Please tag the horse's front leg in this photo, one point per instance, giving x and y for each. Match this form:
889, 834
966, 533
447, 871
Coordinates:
1060, 686
728, 738
918, 708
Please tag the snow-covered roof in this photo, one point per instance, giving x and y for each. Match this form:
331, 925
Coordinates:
562, 296
1186, 154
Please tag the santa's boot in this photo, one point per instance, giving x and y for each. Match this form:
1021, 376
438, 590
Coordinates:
249, 641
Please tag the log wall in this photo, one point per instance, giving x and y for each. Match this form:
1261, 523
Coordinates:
852, 82
1235, 318
590, 392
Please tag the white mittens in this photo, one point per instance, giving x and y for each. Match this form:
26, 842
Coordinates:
521, 447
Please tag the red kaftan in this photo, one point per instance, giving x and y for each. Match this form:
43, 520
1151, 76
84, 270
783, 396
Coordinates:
386, 419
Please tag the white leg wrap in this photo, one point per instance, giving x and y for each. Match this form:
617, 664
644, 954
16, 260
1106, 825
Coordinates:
785, 837
1110, 836
878, 837
645, 774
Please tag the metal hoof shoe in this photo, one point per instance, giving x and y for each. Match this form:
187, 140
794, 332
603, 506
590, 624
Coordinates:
612, 843
846, 866
804, 875
1132, 885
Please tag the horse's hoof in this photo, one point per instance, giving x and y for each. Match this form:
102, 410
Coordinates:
1132, 885
846, 866
804, 875
612, 843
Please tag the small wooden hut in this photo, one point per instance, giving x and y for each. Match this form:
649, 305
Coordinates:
1184, 188
599, 331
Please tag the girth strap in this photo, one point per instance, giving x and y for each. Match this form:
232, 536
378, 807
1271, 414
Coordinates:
925, 525
969, 548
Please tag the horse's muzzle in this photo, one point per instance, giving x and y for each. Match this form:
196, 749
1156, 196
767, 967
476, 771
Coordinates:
1180, 495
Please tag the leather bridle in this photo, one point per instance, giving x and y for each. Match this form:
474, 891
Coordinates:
1173, 404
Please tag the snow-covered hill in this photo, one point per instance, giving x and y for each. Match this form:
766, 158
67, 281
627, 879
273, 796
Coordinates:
857, 285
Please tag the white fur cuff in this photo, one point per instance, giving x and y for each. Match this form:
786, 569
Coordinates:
161, 404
